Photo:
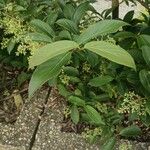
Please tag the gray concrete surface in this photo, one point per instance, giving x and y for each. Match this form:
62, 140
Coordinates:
8, 147
101, 5
49, 135
20, 133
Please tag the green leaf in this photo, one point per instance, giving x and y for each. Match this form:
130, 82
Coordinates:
94, 115
65, 35
86, 118
39, 37
148, 106
75, 114
110, 144
146, 120
47, 71
52, 82
51, 18
92, 58
129, 16
124, 35
51, 50
71, 71
143, 40
146, 54
76, 101
74, 79
80, 12
100, 28
68, 11
22, 78
43, 27
130, 131
19, 8
145, 79
63, 91
102, 97
61, 3
2, 3
11, 45
99, 81
133, 77
112, 52
78, 92
68, 25
137, 55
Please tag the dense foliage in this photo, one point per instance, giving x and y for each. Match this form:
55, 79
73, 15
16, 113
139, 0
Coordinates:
101, 67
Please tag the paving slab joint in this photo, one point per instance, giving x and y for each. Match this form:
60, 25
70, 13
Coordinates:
39, 120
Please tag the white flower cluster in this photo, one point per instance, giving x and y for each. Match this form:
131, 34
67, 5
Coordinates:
132, 103
15, 28
101, 108
91, 134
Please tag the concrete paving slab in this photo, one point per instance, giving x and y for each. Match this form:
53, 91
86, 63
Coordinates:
49, 135
6, 147
20, 133
101, 5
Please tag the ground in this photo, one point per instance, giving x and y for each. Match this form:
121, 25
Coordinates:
39, 128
